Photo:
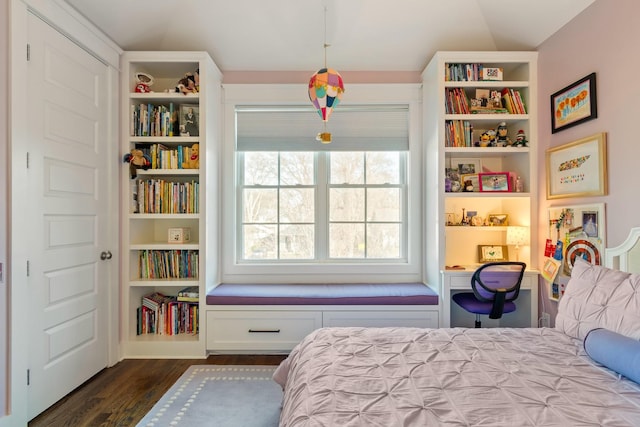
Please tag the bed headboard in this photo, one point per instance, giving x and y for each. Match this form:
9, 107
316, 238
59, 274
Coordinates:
625, 257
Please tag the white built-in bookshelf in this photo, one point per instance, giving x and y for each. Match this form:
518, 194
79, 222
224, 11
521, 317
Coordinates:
449, 78
170, 194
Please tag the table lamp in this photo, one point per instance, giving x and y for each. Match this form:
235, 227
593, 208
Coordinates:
517, 235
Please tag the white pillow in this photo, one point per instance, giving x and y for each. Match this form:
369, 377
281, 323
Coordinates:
598, 297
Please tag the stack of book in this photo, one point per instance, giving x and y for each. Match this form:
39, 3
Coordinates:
457, 102
189, 294
512, 101
165, 315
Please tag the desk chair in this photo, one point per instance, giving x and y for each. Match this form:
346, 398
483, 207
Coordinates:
495, 286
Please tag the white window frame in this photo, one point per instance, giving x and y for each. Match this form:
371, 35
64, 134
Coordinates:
357, 271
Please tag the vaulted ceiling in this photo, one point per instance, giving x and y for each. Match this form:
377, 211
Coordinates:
364, 35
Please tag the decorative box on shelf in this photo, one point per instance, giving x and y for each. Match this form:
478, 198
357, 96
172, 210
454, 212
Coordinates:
179, 235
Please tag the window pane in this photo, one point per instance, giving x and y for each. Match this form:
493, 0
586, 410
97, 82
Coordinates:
297, 205
383, 167
297, 168
260, 205
383, 240
346, 241
259, 241
383, 204
260, 168
346, 204
296, 242
347, 168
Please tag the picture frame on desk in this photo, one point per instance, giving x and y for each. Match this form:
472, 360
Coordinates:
493, 253
495, 182
574, 104
578, 168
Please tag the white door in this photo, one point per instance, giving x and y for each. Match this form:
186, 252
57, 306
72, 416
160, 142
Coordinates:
68, 206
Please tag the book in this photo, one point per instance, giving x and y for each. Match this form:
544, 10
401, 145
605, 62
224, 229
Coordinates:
189, 294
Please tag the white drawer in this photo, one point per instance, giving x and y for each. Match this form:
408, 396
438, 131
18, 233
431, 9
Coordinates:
259, 330
463, 280
379, 319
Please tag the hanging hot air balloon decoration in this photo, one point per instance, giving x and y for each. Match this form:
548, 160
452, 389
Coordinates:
325, 90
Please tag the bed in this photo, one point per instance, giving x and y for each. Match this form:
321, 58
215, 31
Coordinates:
583, 372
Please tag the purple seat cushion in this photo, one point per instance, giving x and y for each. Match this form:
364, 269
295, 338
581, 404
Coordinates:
469, 302
322, 294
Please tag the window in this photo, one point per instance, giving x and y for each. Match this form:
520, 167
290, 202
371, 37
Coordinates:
287, 233
322, 206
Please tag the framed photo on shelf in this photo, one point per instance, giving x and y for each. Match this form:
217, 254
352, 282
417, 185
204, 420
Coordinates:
492, 253
495, 182
467, 166
574, 104
189, 120
577, 169
498, 220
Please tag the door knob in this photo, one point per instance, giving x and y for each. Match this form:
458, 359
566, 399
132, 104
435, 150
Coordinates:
106, 255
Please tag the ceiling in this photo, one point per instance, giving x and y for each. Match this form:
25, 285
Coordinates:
364, 35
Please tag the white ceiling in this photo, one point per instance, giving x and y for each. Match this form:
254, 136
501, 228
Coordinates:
364, 35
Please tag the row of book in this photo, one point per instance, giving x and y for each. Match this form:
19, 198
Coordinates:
163, 157
168, 264
166, 197
512, 101
154, 120
471, 72
458, 133
507, 101
165, 315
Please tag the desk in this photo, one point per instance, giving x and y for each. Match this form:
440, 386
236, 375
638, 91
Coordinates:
454, 281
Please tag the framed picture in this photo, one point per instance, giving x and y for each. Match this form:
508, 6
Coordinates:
577, 169
189, 120
466, 166
494, 182
470, 182
498, 220
491, 253
574, 104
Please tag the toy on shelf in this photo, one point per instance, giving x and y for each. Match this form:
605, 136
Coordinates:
145, 81
190, 83
193, 161
521, 140
137, 160
502, 135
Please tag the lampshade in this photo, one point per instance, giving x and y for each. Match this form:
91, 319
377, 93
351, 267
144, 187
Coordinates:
517, 235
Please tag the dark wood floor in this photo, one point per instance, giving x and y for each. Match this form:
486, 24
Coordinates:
123, 394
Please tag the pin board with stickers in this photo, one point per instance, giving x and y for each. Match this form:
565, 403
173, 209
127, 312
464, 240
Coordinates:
576, 231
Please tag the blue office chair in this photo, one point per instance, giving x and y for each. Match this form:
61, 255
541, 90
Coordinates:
495, 286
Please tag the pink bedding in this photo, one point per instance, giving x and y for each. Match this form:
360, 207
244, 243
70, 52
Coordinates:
450, 377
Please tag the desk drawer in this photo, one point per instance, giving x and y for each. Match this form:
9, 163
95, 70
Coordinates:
263, 330
463, 281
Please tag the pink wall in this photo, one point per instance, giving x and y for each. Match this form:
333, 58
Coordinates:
602, 39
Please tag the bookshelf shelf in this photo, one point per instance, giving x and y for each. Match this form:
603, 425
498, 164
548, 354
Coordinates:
147, 252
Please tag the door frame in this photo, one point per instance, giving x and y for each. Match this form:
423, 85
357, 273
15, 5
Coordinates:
65, 19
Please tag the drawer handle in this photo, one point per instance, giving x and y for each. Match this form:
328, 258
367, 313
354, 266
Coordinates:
264, 331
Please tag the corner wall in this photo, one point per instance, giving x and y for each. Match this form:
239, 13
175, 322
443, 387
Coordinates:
602, 39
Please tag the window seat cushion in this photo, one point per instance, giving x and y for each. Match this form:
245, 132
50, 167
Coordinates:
322, 294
